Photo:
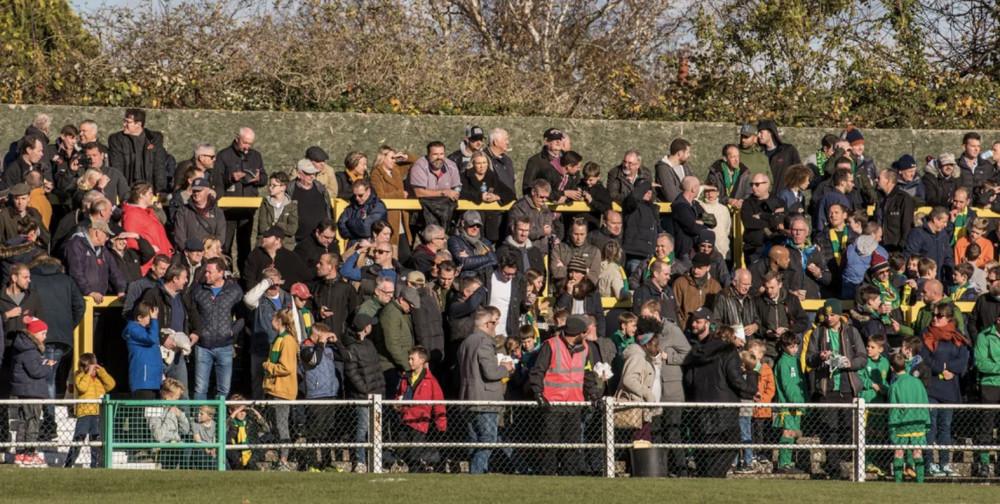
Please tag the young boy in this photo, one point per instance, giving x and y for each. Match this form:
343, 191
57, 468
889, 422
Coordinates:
915, 365
865, 317
145, 365
300, 296
963, 289
170, 424
748, 465
624, 335
907, 426
205, 431
790, 389
875, 389
762, 417
240, 430
92, 382
319, 373
420, 385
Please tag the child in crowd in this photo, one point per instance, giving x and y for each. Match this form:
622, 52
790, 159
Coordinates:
91, 382
170, 424
205, 430
748, 464
145, 365
300, 296
963, 290
875, 389
762, 418
245, 426
907, 426
627, 323
281, 381
420, 385
319, 374
915, 365
790, 388
29, 370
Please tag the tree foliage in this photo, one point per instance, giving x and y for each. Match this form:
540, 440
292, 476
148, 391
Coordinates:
875, 63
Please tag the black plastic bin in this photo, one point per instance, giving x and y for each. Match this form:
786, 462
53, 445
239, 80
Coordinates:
646, 463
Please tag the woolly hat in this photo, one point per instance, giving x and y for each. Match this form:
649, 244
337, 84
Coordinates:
642, 339
577, 263
879, 263
35, 325
854, 136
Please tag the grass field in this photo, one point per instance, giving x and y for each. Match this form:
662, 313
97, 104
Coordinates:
81, 486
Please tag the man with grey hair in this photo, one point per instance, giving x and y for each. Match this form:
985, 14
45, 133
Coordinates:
762, 216
240, 173
734, 306
500, 162
204, 159
480, 381
622, 178
422, 258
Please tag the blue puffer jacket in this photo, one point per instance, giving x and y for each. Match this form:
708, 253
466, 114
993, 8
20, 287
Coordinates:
217, 324
145, 366
937, 246
957, 360
317, 365
356, 221
29, 372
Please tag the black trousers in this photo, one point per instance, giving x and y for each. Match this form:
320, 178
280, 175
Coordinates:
239, 227
562, 425
991, 395
836, 427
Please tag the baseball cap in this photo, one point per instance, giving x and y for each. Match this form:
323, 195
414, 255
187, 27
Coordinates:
274, 231
300, 290
101, 226
748, 130
474, 133
199, 183
576, 324
553, 134
416, 277
472, 218
306, 166
702, 313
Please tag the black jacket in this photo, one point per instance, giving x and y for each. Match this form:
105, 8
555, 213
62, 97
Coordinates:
60, 291
130, 261
289, 263
619, 185
159, 298
151, 168
363, 367
781, 158
600, 202
648, 290
851, 346
503, 166
16, 172
428, 321
985, 172
984, 314
641, 220
895, 214
230, 161
686, 227
533, 170
713, 373
310, 251
345, 188
535, 259
601, 237
770, 313
339, 297
472, 190
760, 222
939, 187
813, 286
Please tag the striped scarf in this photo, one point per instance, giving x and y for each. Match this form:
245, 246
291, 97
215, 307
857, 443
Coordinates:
276, 348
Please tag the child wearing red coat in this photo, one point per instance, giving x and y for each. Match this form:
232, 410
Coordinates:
419, 385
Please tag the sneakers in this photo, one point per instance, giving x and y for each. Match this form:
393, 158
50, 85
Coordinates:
948, 471
982, 471
284, 467
360, 468
19, 460
788, 469
747, 468
934, 470
909, 473
872, 468
29, 460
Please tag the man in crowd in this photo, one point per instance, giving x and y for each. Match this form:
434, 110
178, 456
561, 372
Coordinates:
137, 153
241, 170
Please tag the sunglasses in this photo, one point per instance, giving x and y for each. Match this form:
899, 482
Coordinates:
380, 251
939, 316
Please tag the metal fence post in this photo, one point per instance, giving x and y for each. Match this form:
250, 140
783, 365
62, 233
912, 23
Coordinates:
609, 437
220, 436
859, 459
108, 434
375, 428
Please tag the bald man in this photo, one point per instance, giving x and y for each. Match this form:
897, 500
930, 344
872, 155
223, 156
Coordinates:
239, 171
762, 217
932, 293
734, 305
687, 214
778, 259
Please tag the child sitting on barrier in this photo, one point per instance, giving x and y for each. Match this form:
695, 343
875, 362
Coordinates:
907, 426
420, 385
168, 424
91, 382
245, 426
29, 370
790, 389
204, 431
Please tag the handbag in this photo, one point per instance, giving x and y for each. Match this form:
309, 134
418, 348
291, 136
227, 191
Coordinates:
627, 418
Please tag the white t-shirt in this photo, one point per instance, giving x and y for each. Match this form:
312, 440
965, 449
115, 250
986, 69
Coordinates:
500, 298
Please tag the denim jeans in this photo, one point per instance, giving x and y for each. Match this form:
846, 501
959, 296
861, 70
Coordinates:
361, 433
204, 359
940, 432
54, 351
86, 425
482, 428
746, 437
179, 371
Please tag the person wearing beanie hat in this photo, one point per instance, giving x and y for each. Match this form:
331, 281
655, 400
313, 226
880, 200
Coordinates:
579, 289
911, 184
637, 383
941, 178
780, 155
695, 288
29, 369
895, 208
560, 375
835, 352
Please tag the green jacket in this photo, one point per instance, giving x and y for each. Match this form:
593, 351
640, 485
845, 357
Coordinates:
987, 354
908, 390
755, 160
875, 373
397, 337
923, 319
371, 307
791, 388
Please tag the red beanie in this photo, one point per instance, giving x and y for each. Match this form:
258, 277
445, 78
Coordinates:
35, 325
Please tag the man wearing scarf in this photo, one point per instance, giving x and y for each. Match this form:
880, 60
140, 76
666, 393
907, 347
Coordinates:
833, 242
470, 250
960, 215
807, 259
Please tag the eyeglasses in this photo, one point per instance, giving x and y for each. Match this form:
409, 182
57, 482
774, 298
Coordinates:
383, 291
380, 251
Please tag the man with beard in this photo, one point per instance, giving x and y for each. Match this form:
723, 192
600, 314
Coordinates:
696, 288
436, 181
576, 246
334, 299
779, 312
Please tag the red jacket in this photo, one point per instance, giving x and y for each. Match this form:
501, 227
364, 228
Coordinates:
143, 221
419, 417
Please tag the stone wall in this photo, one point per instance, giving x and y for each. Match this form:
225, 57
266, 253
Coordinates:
282, 137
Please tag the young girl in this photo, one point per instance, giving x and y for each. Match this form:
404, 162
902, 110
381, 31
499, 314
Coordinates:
92, 382
280, 376
205, 431
30, 369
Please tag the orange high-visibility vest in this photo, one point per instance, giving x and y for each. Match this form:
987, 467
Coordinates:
564, 379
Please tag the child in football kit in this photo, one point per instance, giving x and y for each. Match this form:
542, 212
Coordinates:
790, 389
907, 426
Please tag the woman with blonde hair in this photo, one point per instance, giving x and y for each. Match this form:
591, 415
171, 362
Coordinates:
387, 182
280, 375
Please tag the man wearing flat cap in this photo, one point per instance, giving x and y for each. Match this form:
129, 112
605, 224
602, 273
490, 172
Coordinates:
271, 254
20, 196
312, 196
551, 155
560, 375
324, 173
396, 323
